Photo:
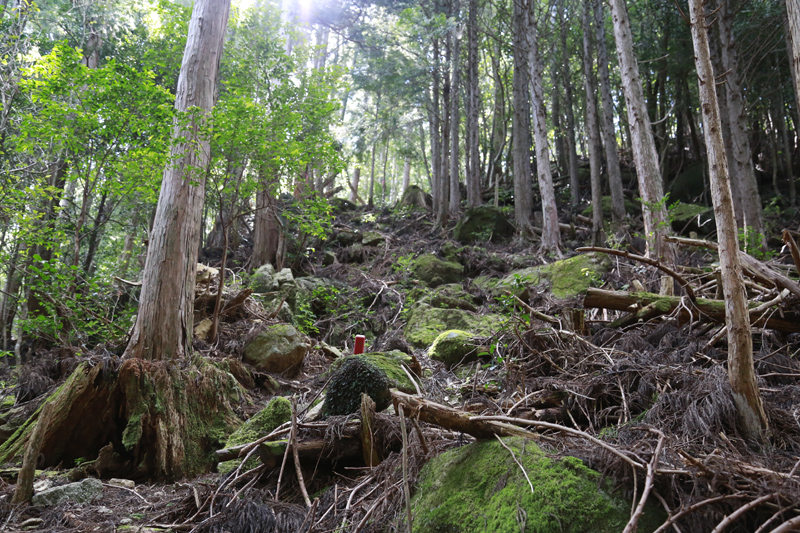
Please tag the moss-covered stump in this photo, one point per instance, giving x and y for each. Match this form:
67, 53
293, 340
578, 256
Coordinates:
278, 348
162, 422
482, 224
425, 323
433, 272
567, 278
353, 376
277, 411
454, 347
479, 488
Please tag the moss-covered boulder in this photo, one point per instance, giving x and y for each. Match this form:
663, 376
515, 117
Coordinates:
414, 196
372, 238
433, 272
567, 278
278, 348
483, 223
390, 362
479, 487
454, 347
450, 296
277, 411
425, 323
352, 377
263, 279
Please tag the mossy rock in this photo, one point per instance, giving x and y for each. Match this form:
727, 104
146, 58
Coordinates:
372, 238
263, 279
426, 323
342, 204
433, 272
690, 217
354, 376
450, 296
277, 411
390, 363
568, 278
483, 223
279, 348
479, 487
454, 347
414, 196
631, 208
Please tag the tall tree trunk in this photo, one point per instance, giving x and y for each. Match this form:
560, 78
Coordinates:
444, 182
566, 79
472, 108
371, 197
8, 297
521, 122
607, 123
164, 325
406, 176
495, 168
741, 373
455, 87
551, 235
793, 38
94, 234
656, 224
354, 184
591, 126
743, 171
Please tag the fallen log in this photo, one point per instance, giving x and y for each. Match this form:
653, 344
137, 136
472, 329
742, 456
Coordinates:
455, 420
703, 309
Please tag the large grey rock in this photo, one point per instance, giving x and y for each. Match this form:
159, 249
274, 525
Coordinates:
279, 348
263, 279
84, 491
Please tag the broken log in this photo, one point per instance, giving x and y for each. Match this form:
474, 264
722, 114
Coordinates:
455, 420
271, 453
703, 309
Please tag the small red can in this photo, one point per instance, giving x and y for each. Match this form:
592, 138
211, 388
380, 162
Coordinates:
359, 347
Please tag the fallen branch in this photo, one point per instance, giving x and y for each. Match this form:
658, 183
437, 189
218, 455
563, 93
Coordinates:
712, 310
646, 260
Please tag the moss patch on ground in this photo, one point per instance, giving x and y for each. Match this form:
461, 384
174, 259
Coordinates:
479, 488
277, 411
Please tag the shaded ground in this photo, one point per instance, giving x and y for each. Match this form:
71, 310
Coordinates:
663, 379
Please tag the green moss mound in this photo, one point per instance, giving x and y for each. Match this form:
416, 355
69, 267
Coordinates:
426, 323
390, 363
277, 411
453, 347
483, 223
433, 272
568, 278
479, 488
354, 376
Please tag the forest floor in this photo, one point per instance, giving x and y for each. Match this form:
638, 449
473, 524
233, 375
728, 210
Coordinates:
611, 395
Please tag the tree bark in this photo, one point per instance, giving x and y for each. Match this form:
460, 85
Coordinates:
591, 127
455, 87
793, 12
164, 325
743, 171
406, 176
472, 108
266, 227
572, 153
656, 224
741, 372
551, 236
607, 123
521, 123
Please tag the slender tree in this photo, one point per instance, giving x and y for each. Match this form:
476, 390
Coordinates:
656, 224
793, 11
591, 126
472, 109
163, 327
551, 236
741, 373
521, 123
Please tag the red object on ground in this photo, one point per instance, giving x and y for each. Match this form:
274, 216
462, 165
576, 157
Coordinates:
359, 347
